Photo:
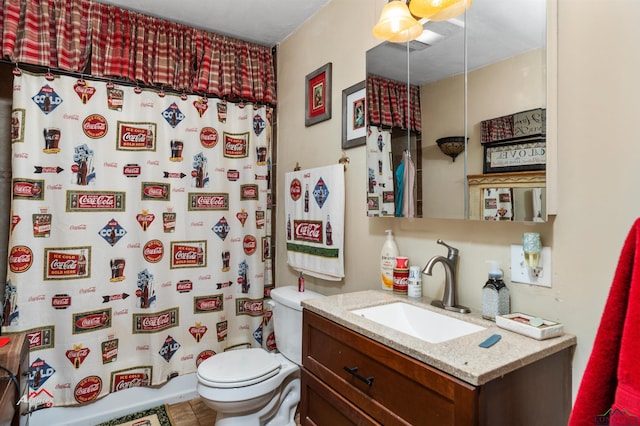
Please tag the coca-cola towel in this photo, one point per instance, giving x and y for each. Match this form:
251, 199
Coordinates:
314, 206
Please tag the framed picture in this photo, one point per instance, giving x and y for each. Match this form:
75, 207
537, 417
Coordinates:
353, 115
517, 156
317, 95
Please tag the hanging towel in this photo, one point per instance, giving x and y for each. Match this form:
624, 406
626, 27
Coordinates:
399, 188
610, 387
314, 205
408, 201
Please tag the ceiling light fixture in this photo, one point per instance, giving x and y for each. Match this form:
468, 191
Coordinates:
438, 10
396, 23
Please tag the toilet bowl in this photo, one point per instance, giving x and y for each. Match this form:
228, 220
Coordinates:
253, 386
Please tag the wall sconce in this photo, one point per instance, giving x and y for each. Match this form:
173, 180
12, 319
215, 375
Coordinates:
451, 146
532, 248
438, 10
396, 23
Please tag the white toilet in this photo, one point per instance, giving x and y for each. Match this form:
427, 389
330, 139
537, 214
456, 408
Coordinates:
255, 387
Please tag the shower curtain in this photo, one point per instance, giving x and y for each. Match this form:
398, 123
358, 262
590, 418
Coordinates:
380, 187
140, 241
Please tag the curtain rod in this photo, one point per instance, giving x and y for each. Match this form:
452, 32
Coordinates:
120, 81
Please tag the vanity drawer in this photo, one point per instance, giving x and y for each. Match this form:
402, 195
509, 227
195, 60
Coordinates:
322, 406
386, 384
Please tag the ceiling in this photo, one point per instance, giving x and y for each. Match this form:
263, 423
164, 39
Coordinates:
266, 22
496, 30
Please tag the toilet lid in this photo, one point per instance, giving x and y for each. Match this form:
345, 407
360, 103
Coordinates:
242, 367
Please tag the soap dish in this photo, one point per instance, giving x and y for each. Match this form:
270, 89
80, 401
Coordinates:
535, 327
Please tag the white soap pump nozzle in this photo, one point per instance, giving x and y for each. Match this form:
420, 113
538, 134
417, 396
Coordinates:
494, 269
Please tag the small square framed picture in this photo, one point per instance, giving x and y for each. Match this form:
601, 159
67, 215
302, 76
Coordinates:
318, 95
354, 111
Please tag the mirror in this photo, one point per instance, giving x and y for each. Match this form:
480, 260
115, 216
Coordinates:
487, 64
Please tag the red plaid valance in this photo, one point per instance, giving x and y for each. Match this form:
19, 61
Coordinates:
387, 103
106, 41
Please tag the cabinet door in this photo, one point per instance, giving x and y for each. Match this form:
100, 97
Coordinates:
389, 386
321, 405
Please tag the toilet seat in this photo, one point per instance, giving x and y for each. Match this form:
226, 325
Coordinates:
237, 368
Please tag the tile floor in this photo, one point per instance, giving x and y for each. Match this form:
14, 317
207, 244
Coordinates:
195, 413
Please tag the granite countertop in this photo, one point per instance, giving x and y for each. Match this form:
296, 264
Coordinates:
460, 357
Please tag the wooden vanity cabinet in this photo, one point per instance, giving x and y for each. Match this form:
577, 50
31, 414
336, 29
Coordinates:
384, 386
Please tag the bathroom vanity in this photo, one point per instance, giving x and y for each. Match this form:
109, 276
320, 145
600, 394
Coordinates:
356, 371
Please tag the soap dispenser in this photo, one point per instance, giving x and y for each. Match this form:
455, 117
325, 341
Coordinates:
495, 294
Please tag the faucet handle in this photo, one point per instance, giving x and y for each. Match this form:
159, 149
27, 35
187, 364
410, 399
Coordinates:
452, 250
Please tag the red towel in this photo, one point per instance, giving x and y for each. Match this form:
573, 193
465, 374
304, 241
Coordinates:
610, 387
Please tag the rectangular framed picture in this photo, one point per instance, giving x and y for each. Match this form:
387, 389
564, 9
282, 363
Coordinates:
317, 95
520, 156
354, 128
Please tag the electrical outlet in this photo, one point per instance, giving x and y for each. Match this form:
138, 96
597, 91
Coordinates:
521, 274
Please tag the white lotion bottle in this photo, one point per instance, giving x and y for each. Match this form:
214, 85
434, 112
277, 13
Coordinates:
387, 261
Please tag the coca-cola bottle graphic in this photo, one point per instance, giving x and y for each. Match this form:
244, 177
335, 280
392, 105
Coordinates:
329, 232
82, 264
149, 137
306, 199
200, 255
83, 170
289, 228
46, 104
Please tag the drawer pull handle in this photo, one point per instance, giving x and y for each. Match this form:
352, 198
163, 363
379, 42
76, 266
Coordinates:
354, 372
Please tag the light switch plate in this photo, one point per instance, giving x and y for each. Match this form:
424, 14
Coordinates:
520, 273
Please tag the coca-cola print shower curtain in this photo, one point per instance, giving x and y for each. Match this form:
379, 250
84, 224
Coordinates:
139, 236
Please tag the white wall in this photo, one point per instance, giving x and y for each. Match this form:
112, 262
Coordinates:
598, 165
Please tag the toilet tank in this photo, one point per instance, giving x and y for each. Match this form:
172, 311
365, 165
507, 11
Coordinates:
287, 320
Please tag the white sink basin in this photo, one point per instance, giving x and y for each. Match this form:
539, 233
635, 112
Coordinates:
422, 323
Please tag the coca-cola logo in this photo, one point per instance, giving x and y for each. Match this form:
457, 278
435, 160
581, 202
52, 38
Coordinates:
209, 201
62, 264
131, 170
152, 323
20, 259
84, 91
310, 231
155, 191
97, 201
28, 189
208, 137
208, 303
95, 126
295, 189
41, 338
186, 255
130, 380
153, 251
134, 137
201, 105
249, 192
242, 216
184, 286
77, 356
249, 244
251, 307
197, 331
91, 321
236, 145
61, 301
87, 389
204, 355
